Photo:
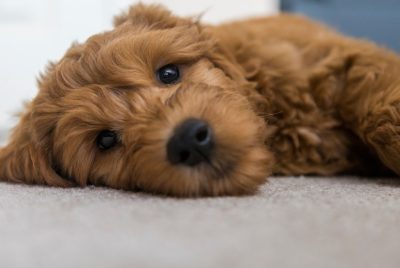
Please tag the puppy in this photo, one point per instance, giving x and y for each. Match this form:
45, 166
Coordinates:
168, 105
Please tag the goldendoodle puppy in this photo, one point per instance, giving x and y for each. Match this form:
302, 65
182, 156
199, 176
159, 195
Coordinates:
168, 105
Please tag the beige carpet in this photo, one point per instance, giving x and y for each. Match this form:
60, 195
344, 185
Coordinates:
292, 222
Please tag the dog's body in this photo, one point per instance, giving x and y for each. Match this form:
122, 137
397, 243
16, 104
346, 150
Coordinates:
322, 91
279, 95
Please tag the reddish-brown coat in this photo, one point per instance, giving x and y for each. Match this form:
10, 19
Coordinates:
283, 95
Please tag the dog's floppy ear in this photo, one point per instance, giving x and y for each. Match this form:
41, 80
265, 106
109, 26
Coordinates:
149, 15
27, 157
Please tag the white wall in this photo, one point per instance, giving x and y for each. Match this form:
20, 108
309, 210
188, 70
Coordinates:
33, 32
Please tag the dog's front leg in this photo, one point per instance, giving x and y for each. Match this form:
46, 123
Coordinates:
370, 102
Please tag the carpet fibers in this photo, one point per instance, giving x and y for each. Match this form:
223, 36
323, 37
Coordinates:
292, 222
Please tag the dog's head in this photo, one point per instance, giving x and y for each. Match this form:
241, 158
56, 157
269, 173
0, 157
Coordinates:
154, 104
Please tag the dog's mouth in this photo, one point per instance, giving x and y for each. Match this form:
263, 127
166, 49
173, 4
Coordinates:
201, 161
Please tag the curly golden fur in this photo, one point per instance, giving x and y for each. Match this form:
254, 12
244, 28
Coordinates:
282, 95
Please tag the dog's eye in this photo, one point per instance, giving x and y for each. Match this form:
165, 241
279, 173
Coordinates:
168, 74
107, 139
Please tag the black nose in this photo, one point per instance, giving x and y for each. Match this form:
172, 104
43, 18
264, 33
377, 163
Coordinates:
191, 143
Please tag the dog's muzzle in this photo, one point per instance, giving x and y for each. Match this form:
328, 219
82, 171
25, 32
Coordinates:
191, 144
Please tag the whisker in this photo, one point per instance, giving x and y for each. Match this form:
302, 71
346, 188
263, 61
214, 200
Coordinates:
269, 115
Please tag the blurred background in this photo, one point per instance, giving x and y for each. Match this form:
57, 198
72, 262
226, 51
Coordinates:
34, 32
